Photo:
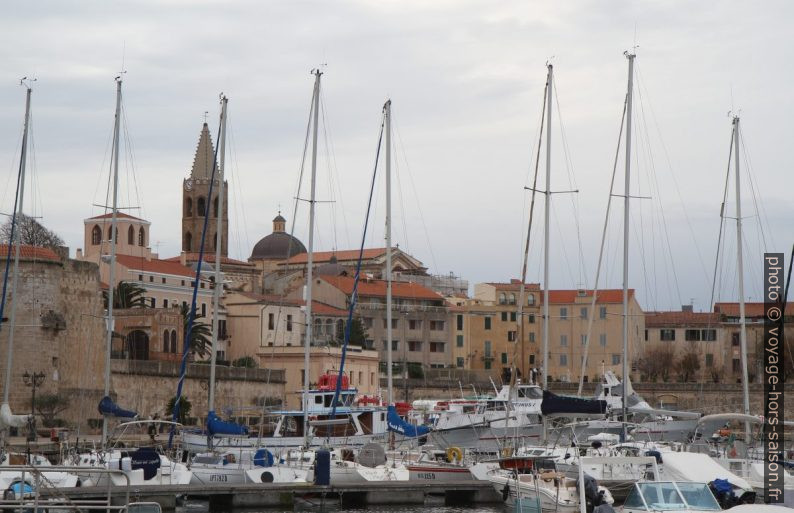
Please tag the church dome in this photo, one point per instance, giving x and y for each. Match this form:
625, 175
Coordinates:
279, 245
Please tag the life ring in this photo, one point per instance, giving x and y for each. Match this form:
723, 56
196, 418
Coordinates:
454, 454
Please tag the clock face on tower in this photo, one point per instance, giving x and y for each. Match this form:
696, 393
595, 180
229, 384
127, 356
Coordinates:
189, 184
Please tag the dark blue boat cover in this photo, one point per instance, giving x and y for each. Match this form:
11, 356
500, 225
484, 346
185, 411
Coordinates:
398, 425
554, 404
216, 426
109, 408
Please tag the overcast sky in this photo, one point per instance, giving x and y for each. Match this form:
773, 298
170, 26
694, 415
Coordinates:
466, 80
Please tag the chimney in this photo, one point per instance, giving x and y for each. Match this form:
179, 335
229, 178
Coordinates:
686, 308
183, 258
79, 254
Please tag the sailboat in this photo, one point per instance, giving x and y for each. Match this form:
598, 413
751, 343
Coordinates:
143, 466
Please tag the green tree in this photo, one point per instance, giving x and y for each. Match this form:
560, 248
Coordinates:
49, 406
200, 334
358, 335
184, 408
127, 295
31, 233
246, 361
689, 363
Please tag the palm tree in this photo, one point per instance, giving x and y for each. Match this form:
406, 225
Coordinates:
200, 334
127, 295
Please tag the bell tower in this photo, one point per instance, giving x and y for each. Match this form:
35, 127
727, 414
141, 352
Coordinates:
196, 201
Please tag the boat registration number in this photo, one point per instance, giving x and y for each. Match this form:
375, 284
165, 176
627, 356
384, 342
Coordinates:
220, 478
426, 475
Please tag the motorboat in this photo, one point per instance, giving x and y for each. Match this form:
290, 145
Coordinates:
670, 496
243, 466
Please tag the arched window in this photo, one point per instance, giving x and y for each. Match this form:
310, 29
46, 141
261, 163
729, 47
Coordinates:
340, 329
96, 236
502, 298
166, 339
512, 298
215, 207
201, 206
188, 246
173, 341
141, 237
110, 234
531, 299
318, 327
188, 207
131, 236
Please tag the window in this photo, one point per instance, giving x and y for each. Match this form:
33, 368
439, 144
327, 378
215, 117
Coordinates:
564, 313
215, 207
602, 340
271, 321
188, 244
96, 236
436, 347
737, 365
487, 348
646, 335
188, 207
487, 364
583, 312
368, 322
414, 345
151, 279
141, 237
511, 336
184, 305
436, 325
153, 302
564, 340
394, 323
531, 299
110, 234
584, 339
667, 335
602, 312
140, 277
203, 309
459, 341
504, 316
414, 324
222, 329
532, 318
504, 358
531, 336
512, 299
709, 335
563, 360
692, 335
502, 298
459, 322
173, 341
183, 283
709, 360
735, 340
615, 359
394, 345
512, 316
163, 280
289, 322
165, 305
487, 321
166, 339
532, 359
131, 236
201, 206
459, 362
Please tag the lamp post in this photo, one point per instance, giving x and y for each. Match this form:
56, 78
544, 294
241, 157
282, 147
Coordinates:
34, 381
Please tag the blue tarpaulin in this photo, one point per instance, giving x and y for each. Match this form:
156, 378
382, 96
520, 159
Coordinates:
111, 409
216, 426
398, 425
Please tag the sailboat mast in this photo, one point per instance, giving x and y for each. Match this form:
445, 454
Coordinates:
112, 262
740, 270
387, 115
626, 191
216, 292
547, 215
17, 243
310, 261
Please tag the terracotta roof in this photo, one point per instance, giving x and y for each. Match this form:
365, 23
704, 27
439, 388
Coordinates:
317, 307
678, 318
343, 255
155, 266
750, 309
377, 288
514, 285
30, 253
569, 296
208, 257
119, 215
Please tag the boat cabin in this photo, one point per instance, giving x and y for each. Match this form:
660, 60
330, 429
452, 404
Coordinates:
670, 496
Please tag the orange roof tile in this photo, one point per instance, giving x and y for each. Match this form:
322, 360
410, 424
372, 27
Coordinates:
208, 257
678, 318
30, 253
341, 256
377, 288
750, 309
569, 296
119, 215
317, 307
155, 266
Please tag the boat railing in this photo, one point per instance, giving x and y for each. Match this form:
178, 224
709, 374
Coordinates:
33, 490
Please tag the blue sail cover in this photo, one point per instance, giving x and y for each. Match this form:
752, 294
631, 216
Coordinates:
109, 408
398, 425
216, 426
